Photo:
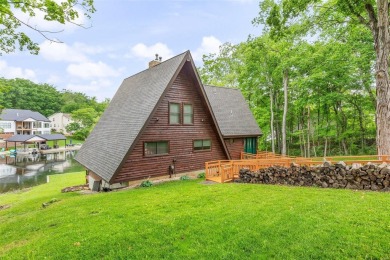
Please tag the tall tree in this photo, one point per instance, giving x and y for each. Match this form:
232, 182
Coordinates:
318, 14
12, 25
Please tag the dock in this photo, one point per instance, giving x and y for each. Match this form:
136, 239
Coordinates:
61, 149
48, 151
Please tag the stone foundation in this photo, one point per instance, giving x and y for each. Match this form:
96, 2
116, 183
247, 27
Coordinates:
339, 176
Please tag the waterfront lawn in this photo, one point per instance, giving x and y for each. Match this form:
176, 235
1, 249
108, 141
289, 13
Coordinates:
61, 143
187, 219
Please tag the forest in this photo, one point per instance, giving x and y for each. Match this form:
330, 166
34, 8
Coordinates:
309, 78
46, 99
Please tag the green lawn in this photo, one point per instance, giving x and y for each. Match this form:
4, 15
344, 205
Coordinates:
61, 143
187, 219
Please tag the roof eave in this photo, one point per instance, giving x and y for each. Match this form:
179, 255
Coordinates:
242, 136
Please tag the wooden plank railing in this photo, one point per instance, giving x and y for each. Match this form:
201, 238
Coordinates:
227, 170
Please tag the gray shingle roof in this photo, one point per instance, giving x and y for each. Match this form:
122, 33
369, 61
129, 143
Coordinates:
232, 112
19, 138
51, 137
114, 134
21, 114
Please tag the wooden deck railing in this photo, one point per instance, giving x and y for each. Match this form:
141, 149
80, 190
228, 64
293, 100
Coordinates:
227, 170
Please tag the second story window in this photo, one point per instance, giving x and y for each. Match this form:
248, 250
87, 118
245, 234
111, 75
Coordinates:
188, 114
174, 113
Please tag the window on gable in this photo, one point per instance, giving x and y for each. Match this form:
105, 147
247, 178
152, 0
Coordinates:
188, 114
156, 148
174, 113
202, 145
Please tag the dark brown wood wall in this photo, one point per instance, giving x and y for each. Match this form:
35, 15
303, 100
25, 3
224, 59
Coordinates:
235, 146
180, 137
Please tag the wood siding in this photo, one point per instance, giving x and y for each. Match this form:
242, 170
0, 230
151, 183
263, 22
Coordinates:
180, 137
235, 146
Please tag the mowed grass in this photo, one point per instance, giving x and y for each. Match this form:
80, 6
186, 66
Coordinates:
191, 220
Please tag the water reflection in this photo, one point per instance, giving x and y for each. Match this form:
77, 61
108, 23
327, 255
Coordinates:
23, 171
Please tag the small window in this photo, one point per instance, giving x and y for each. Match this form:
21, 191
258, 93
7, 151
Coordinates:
202, 145
156, 148
188, 114
174, 113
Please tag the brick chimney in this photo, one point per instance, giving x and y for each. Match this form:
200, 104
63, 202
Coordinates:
155, 61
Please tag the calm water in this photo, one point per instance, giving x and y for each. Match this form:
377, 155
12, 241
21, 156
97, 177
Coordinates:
25, 171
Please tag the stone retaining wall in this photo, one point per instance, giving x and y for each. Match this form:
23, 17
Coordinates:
358, 177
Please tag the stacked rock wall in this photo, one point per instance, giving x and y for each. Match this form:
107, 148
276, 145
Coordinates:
367, 177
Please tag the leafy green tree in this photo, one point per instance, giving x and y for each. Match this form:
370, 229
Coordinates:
25, 94
282, 17
73, 127
86, 116
12, 28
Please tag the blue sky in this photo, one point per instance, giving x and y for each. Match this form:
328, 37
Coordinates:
124, 36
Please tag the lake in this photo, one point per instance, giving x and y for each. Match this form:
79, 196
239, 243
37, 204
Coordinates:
24, 171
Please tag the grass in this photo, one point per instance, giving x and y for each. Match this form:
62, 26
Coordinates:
61, 143
190, 220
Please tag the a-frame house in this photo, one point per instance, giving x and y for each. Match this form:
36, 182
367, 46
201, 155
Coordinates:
163, 120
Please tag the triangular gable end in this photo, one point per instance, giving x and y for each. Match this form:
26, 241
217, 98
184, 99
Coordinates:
124, 118
207, 103
187, 59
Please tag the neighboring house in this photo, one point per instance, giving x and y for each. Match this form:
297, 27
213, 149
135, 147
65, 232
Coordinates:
59, 121
162, 119
23, 122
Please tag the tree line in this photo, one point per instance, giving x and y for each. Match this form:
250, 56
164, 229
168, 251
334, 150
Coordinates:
310, 78
47, 100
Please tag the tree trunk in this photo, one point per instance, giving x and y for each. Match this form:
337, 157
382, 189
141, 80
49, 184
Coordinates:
382, 79
325, 146
271, 96
285, 88
308, 132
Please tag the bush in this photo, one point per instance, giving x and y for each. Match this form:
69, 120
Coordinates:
146, 183
201, 175
184, 177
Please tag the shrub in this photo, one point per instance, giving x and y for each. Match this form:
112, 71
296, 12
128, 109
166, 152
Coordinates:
184, 177
201, 175
146, 183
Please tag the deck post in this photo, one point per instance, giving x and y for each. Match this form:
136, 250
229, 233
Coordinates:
206, 169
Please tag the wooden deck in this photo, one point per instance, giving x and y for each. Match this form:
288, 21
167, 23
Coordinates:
228, 170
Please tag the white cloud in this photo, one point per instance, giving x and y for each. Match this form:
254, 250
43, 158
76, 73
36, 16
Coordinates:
92, 70
61, 52
53, 79
11, 72
100, 88
210, 44
140, 50
88, 49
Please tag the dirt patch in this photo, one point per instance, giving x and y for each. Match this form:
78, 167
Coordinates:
208, 182
6, 206
75, 188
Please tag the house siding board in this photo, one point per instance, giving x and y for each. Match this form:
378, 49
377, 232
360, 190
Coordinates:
180, 137
235, 148
114, 134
